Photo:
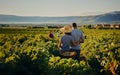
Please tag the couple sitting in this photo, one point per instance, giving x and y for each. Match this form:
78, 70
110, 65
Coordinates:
71, 39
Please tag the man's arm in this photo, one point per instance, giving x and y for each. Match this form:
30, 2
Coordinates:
81, 39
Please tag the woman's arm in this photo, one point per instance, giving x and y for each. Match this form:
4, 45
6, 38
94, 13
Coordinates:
59, 44
75, 43
81, 40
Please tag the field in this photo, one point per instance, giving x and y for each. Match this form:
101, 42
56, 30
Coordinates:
30, 52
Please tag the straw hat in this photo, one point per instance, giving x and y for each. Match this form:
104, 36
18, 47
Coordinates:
66, 29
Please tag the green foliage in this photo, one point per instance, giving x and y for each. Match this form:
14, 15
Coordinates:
69, 66
31, 52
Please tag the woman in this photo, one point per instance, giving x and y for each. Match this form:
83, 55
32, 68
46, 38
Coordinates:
66, 41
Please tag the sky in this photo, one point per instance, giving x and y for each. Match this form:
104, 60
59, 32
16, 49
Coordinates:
58, 7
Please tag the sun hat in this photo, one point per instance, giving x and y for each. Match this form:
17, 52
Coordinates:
66, 29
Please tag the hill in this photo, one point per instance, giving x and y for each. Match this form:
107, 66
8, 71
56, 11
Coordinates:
112, 17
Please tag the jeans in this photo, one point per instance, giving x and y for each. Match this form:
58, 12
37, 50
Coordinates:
78, 54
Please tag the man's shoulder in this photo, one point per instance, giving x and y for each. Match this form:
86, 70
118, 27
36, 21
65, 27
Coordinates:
77, 31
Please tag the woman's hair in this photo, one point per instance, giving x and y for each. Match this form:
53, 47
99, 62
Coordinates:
68, 33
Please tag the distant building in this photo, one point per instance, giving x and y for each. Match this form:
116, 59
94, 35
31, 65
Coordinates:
115, 25
107, 26
98, 26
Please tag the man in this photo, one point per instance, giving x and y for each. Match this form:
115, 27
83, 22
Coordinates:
77, 36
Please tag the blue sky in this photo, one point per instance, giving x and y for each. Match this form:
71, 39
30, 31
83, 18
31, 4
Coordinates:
58, 7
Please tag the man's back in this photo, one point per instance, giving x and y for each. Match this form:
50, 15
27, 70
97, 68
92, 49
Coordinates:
77, 36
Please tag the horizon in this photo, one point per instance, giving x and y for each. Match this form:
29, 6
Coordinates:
58, 16
58, 8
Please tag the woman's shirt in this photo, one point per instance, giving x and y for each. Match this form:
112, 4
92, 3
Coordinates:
66, 41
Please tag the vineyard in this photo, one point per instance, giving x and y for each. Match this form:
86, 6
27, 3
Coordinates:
31, 52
